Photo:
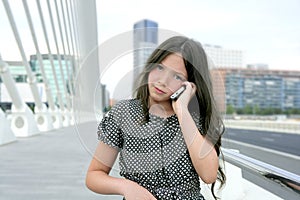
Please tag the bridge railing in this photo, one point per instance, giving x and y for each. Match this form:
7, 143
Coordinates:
282, 183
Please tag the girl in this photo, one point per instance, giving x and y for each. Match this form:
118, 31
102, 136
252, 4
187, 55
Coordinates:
164, 145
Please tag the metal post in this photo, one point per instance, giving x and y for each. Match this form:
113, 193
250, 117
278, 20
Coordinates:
68, 100
43, 117
20, 123
88, 74
31, 78
65, 119
56, 115
75, 29
72, 29
70, 68
75, 45
69, 71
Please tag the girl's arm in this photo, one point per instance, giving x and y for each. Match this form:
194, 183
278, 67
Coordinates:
98, 179
202, 152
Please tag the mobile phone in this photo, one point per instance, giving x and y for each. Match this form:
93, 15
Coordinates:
176, 94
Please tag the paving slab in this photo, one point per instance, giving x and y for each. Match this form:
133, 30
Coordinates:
51, 165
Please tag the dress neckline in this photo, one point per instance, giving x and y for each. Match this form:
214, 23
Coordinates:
162, 118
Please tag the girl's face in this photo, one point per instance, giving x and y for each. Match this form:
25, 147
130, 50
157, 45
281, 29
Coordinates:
166, 77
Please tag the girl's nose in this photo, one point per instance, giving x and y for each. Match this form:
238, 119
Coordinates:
164, 78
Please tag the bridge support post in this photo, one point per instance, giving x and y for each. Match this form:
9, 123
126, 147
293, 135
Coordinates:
43, 119
56, 118
6, 135
23, 122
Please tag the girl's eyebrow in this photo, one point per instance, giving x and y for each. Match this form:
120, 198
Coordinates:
170, 68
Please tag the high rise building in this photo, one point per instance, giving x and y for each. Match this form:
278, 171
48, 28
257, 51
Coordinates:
257, 66
145, 41
224, 58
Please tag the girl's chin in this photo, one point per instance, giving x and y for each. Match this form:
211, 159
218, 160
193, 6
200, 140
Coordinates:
159, 98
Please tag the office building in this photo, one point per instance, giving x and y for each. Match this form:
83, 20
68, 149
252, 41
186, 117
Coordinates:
223, 58
67, 67
260, 89
19, 74
145, 41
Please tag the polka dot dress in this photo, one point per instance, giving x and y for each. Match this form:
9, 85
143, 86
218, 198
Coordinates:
153, 154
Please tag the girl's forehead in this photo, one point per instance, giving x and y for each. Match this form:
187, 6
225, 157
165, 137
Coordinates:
175, 62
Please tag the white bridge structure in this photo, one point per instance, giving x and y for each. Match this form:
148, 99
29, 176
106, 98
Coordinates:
72, 27
66, 31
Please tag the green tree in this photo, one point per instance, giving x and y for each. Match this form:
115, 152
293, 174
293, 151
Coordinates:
230, 109
248, 110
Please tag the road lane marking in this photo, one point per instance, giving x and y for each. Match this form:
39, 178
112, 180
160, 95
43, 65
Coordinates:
267, 139
263, 149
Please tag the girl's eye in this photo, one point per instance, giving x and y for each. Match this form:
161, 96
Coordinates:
177, 77
160, 68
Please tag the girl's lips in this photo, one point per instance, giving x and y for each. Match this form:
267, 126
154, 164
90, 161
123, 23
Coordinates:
159, 91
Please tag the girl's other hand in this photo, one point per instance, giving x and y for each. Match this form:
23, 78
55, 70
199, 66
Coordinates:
133, 191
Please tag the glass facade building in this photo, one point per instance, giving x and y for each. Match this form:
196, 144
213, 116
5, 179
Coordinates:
222, 57
260, 89
18, 71
66, 75
145, 36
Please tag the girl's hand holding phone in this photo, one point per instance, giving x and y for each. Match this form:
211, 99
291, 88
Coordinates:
182, 97
176, 94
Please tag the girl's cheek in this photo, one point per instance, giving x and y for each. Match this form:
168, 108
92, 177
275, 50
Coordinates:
173, 89
152, 77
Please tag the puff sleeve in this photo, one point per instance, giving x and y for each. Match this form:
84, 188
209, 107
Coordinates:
109, 129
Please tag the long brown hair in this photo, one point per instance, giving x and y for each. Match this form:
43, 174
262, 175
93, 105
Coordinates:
198, 72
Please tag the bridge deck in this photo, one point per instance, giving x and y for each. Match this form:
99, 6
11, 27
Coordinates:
51, 165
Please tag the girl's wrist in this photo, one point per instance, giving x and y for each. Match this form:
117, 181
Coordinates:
123, 186
182, 112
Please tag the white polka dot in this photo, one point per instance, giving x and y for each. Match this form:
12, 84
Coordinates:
152, 154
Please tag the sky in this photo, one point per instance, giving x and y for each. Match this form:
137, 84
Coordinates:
267, 31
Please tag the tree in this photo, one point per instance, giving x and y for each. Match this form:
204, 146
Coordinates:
248, 110
230, 109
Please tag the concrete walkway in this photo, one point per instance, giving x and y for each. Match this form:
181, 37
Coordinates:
51, 165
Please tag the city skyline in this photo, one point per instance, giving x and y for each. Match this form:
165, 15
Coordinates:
267, 32
265, 35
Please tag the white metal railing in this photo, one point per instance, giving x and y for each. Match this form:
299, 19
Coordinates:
276, 180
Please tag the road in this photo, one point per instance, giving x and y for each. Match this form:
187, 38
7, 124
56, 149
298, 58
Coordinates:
279, 149
283, 142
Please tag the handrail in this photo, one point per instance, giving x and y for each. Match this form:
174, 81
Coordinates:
279, 181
